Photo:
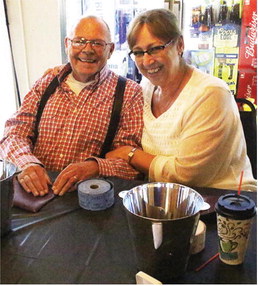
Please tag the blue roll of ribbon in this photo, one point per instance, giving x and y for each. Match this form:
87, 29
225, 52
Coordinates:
96, 194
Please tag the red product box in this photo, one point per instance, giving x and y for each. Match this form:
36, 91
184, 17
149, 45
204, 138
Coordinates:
248, 39
247, 85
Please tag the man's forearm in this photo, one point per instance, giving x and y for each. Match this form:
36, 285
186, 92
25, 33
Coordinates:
17, 152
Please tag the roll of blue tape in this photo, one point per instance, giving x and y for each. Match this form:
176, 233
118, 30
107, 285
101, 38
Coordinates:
96, 194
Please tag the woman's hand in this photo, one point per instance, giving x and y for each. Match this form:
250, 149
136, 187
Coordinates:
119, 153
55, 70
140, 161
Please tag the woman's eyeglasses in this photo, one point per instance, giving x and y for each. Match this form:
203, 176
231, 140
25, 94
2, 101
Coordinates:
136, 55
81, 43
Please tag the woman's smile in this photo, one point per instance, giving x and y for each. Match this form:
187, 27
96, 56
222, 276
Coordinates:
153, 71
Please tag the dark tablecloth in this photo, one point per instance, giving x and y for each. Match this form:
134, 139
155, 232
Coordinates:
65, 244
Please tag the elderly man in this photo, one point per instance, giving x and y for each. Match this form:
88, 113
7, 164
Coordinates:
75, 120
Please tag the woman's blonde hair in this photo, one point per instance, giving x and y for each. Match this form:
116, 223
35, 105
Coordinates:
162, 23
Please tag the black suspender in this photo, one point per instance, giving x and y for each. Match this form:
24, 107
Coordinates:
49, 90
115, 115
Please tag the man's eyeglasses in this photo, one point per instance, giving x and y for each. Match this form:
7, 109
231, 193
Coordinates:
136, 55
98, 45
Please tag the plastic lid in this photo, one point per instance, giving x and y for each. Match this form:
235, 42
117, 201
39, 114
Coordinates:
235, 206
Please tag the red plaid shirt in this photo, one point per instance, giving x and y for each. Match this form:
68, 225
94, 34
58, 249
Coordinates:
73, 127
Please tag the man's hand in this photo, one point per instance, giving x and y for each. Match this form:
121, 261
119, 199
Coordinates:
34, 179
74, 173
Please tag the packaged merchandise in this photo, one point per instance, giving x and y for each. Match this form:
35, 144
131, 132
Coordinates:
227, 35
201, 59
248, 42
226, 66
247, 85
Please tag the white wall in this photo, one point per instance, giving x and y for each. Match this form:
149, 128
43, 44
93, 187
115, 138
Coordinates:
35, 36
7, 95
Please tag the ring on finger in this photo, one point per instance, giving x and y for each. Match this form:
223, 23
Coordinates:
25, 178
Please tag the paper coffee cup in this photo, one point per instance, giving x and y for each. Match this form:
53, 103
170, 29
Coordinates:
234, 220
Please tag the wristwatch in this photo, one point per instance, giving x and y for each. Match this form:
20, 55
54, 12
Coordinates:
131, 154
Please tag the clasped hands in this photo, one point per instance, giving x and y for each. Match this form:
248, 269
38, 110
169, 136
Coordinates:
34, 178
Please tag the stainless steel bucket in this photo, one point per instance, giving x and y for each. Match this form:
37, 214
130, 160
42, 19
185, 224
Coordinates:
162, 219
7, 170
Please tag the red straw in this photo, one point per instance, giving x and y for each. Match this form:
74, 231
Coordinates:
240, 183
205, 263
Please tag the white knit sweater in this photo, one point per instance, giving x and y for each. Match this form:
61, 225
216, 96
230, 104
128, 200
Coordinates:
199, 140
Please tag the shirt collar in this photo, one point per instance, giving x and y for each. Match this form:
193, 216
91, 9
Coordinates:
98, 79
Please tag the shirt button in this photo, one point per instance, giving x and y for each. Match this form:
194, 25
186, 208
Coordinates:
61, 155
